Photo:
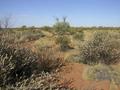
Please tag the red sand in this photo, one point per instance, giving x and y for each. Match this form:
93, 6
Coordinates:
74, 73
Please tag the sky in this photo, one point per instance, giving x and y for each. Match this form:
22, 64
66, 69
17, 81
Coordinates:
78, 12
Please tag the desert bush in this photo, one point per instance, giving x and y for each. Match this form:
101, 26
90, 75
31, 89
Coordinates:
20, 36
98, 72
46, 28
24, 27
18, 64
102, 48
44, 81
102, 72
73, 58
15, 64
72, 31
49, 60
7, 36
31, 37
32, 28
61, 26
44, 43
28, 36
79, 35
63, 41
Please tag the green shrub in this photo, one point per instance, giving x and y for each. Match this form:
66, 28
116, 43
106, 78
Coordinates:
98, 72
44, 43
49, 60
102, 48
46, 28
103, 72
61, 26
79, 35
72, 31
24, 27
63, 41
73, 58
32, 28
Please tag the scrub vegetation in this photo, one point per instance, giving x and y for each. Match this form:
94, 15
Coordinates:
33, 58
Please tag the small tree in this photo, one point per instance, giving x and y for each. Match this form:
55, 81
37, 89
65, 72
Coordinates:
61, 26
24, 27
5, 22
0, 25
32, 28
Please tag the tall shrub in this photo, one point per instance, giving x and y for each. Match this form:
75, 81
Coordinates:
61, 26
102, 48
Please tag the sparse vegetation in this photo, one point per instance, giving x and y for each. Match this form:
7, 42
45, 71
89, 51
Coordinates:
34, 58
59, 44
63, 41
79, 35
13, 36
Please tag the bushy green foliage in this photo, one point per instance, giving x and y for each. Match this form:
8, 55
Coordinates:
32, 28
43, 43
63, 41
73, 59
79, 35
61, 26
24, 27
102, 48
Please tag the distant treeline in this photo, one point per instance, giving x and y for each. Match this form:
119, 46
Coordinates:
79, 28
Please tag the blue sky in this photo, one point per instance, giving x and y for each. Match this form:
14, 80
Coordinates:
78, 12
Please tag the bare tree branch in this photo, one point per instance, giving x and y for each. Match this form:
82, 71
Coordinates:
0, 24
64, 19
7, 21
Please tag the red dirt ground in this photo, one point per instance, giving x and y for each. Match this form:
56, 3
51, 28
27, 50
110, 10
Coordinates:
74, 73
